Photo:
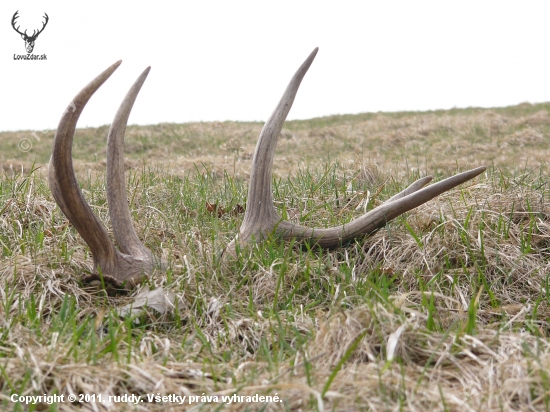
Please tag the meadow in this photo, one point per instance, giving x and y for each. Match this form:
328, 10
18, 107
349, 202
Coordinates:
446, 308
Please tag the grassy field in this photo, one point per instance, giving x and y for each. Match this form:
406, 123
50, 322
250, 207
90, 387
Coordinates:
447, 308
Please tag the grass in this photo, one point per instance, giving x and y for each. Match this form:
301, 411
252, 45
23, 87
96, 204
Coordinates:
447, 308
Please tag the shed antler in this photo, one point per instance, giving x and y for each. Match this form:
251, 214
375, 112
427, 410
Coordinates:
261, 217
129, 265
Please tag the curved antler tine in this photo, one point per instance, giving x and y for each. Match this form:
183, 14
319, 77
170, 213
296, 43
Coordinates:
376, 218
123, 227
64, 186
259, 206
417, 185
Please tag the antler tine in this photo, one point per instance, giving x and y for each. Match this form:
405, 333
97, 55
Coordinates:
417, 185
123, 228
260, 215
135, 261
64, 186
261, 218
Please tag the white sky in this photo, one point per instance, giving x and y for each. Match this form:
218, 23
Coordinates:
231, 60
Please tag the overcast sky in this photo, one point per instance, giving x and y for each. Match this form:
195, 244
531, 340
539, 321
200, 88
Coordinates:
231, 60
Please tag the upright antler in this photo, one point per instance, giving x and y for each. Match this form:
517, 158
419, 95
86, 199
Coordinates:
261, 217
134, 261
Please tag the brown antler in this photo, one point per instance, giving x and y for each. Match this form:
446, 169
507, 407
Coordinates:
134, 261
262, 219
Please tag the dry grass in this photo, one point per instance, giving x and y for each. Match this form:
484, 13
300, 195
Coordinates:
445, 309
436, 141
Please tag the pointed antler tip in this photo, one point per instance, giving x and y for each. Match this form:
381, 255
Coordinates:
477, 171
110, 70
306, 64
141, 79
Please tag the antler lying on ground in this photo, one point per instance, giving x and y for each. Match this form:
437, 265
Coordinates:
262, 219
134, 261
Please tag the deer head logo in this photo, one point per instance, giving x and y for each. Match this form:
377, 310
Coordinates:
29, 40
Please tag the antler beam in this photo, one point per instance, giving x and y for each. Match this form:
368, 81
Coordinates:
133, 262
262, 219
